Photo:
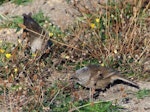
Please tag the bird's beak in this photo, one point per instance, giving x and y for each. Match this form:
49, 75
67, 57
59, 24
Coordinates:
74, 78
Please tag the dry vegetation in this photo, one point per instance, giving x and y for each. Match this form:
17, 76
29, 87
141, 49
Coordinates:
114, 34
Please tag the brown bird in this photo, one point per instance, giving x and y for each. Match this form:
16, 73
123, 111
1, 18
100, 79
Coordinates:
98, 77
38, 38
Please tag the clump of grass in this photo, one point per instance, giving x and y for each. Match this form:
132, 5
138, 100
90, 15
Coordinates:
21, 2
11, 22
96, 106
143, 93
18, 2
2, 1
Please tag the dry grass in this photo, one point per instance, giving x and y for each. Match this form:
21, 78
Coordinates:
119, 39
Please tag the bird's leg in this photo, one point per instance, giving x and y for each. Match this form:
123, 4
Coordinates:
90, 95
92, 91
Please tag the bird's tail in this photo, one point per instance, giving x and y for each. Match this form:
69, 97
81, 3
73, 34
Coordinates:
115, 77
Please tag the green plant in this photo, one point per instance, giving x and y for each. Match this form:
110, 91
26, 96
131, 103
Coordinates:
143, 93
2, 1
20, 2
12, 23
99, 106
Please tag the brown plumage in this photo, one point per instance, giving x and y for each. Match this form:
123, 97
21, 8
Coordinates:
98, 77
38, 38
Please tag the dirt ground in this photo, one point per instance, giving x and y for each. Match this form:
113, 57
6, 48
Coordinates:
63, 15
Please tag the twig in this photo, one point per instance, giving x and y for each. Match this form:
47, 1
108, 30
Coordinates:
24, 27
146, 48
11, 110
56, 95
54, 98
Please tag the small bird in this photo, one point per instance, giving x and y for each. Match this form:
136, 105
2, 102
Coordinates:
38, 38
99, 77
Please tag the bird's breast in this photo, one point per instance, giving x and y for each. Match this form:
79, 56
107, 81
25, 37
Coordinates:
36, 44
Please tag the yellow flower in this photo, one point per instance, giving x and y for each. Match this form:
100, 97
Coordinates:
1, 41
15, 70
92, 25
50, 34
97, 20
102, 64
2, 50
8, 55
34, 55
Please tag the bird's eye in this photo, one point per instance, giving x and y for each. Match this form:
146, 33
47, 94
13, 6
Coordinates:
100, 75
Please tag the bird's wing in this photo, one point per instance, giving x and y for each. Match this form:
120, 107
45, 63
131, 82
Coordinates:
110, 73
